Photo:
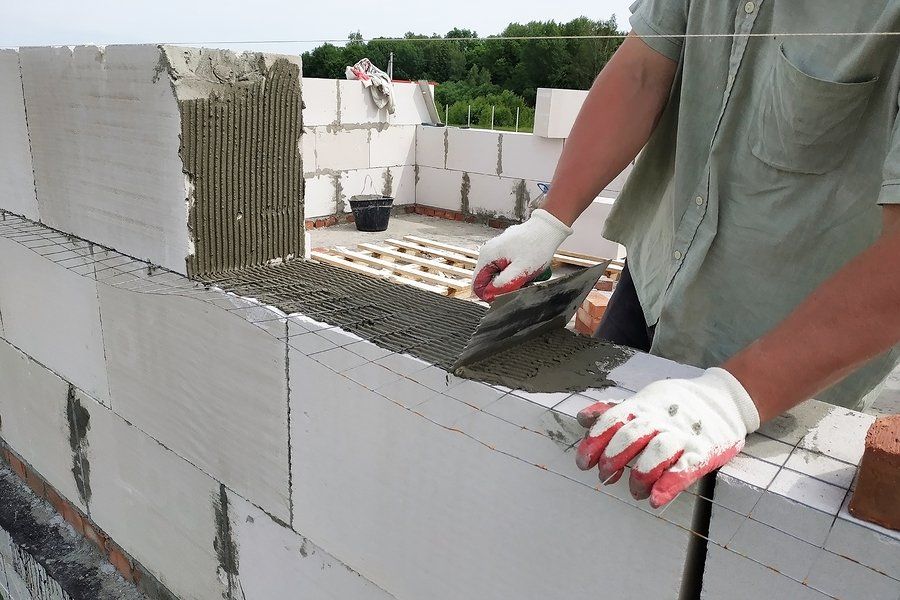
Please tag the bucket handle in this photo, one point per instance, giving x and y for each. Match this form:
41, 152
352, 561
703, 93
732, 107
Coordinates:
371, 184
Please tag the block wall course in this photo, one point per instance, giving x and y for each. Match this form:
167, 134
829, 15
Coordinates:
274, 559
431, 144
16, 169
376, 512
105, 141
527, 156
155, 505
206, 383
393, 146
35, 424
439, 188
473, 151
53, 314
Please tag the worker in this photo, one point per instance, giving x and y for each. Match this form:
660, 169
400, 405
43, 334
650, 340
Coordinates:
761, 222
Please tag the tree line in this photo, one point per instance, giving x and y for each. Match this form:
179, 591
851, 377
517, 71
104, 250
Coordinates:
502, 73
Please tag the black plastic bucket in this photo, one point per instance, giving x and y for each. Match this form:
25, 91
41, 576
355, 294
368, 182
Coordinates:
371, 212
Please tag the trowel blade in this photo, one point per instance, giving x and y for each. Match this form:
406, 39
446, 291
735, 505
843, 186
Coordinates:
530, 311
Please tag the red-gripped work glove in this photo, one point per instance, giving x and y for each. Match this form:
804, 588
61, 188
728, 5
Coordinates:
678, 430
518, 255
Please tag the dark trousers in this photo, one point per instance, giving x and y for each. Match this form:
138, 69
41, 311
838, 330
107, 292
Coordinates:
623, 321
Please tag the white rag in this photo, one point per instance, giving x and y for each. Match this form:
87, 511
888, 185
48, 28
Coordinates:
376, 80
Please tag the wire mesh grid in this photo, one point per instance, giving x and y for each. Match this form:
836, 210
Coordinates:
112, 268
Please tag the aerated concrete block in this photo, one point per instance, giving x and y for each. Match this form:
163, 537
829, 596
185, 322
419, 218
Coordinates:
136, 146
474, 151
275, 559
320, 196
206, 383
431, 146
555, 111
393, 146
156, 505
528, 156
440, 188
377, 501
320, 99
586, 238
34, 405
729, 576
16, 170
495, 196
341, 150
52, 313
403, 184
409, 104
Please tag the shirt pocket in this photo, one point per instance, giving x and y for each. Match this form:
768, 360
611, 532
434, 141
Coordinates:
803, 123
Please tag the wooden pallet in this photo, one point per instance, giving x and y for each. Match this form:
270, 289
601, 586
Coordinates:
426, 264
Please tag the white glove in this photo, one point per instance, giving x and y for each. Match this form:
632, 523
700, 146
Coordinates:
679, 430
518, 255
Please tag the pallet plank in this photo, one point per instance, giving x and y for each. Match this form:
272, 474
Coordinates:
441, 246
463, 260
415, 259
408, 271
364, 270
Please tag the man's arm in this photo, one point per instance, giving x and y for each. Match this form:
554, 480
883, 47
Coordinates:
678, 430
851, 318
616, 120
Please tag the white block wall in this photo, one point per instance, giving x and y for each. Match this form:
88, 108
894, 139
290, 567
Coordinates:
346, 138
105, 137
16, 177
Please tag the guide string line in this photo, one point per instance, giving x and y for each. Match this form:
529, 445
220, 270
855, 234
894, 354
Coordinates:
505, 38
24, 232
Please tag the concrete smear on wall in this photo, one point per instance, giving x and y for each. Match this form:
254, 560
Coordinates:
240, 145
426, 325
79, 423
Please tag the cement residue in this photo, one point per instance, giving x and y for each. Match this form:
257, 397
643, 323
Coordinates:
241, 124
224, 544
387, 179
79, 420
464, 193
434, 328
523, 199
499, 154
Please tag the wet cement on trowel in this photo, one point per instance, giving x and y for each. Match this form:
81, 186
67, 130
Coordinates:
426, 325
241, 124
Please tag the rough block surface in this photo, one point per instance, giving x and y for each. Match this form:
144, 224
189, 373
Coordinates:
16, 170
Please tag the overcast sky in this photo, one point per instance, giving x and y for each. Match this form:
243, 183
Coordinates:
65, 22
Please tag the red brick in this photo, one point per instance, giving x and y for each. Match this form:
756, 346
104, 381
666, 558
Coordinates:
350, 218
430, 212
18, 466
595, 304
495, 223
73, 516
410, 209
458, 216
95, 536
136, 574
420, 210
118, 559
605, 284
329, 221
320, 223
471, 219
310, 224
35, 482
58, 502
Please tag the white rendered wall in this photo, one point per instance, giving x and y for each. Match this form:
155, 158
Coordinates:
16, 171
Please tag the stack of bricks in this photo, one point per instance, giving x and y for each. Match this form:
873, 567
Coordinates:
455, 215
321, 222
131, 570
590, 313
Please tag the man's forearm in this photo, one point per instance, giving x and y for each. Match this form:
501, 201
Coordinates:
616, 120
851, 318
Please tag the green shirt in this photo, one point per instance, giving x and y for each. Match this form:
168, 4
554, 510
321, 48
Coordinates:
765, 173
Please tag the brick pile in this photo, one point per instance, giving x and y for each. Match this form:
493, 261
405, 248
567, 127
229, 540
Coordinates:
590, 313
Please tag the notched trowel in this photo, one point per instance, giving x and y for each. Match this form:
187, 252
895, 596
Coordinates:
528, 312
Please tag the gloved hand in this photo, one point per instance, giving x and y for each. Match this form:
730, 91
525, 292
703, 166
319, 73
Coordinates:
678, 429
518, 255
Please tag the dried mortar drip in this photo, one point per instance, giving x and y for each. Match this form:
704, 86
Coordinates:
426, 325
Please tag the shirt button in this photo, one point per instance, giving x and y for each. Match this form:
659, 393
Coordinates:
699, 200
749, 7
677, 254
